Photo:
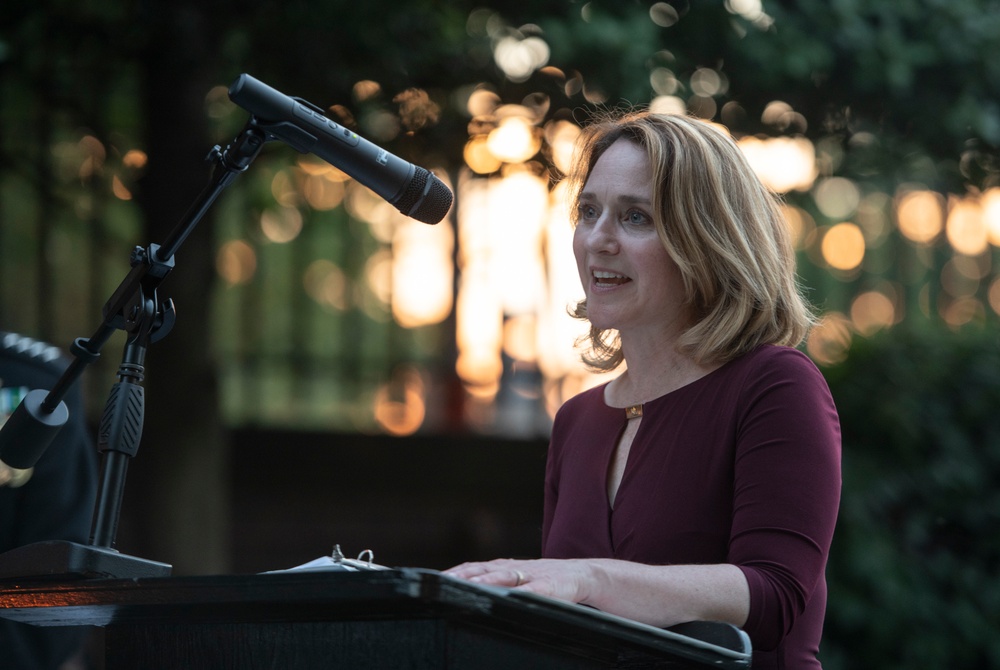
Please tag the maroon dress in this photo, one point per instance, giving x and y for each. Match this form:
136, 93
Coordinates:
741, 466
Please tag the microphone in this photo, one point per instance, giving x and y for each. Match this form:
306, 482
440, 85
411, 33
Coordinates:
414, 191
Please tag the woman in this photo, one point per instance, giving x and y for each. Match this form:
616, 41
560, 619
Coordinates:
703, 482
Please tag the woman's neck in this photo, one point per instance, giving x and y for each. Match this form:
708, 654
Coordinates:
652, 371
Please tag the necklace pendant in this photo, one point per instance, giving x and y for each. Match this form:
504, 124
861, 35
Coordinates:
633, 411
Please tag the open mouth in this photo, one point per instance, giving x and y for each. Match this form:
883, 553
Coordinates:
604, 279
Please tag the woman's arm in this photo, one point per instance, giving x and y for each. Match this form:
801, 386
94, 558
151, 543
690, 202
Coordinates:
659, 595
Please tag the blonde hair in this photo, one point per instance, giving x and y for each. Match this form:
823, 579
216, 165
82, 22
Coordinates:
719, 224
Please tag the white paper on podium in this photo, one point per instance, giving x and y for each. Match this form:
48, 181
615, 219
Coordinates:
336, 562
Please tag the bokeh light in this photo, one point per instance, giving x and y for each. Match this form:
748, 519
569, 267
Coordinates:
994, 295
365, 205
965, 227
519, 57
399, 406
422, 273
956, 282
830, 339
557, 330
94, 155
236, 262
561, 138
284, 189
663, 14
783, 164
836, 197
281, 225
667, 104
873, 218
843, 246
119, 189
800, 224
135, 159
478, 311
479, 334
478, 156
872, 311
519, 341
365, 90
962, 312
991, 214
752, 10
326, 284
708, 82
514, 140
482, 102
920, 215
322, 186
663, 81
783, 117
517, 207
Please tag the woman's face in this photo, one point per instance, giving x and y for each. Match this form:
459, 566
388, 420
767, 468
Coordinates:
630, 281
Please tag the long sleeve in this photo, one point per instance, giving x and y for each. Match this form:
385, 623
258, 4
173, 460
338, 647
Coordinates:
786, 492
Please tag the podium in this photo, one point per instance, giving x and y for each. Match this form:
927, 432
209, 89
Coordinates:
397, 619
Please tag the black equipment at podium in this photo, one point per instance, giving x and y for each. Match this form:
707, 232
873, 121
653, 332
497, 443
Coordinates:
397, 619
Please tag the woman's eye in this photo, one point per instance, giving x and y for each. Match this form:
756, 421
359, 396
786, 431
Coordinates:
636, 218
587, 211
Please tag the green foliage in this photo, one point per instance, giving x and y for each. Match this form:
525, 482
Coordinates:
904, 70
913, 573
613, 47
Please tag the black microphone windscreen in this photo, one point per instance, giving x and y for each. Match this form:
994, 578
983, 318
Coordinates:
426, 198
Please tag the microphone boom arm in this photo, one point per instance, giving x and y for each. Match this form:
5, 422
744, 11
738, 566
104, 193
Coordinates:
133, 307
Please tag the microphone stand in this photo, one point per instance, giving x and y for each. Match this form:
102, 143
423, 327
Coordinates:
134, 308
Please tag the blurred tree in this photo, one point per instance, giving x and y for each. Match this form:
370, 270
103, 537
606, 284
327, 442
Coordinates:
913, 569
919, 76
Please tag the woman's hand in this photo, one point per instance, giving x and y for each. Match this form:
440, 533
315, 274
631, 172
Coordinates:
658, 595
565, 579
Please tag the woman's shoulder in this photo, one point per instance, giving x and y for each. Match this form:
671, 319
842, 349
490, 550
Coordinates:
768, 369
785, 375
773, 359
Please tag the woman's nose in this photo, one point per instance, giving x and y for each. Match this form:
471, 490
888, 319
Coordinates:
601, 237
